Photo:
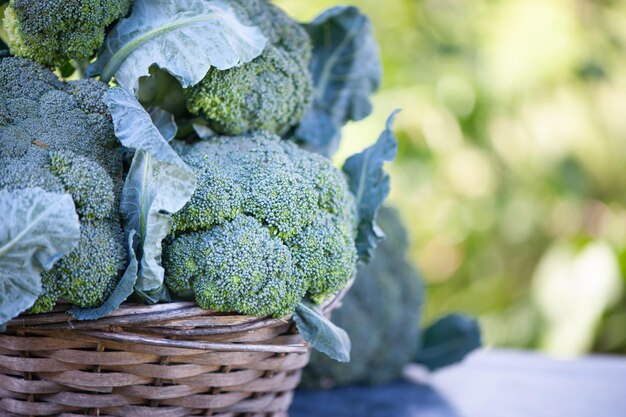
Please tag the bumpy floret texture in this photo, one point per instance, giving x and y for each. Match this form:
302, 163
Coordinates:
230, 267
269, 93
88, 183
54, 31
381, 313
59, 137
86, 276
268, 225
48, 298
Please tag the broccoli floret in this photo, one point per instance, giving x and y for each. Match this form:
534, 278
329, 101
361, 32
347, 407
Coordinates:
88, 183
88, 95
53, 31
86, 276
49, 296
236, 266
262, 229
320, 256
381, 313
56, 136
271, 92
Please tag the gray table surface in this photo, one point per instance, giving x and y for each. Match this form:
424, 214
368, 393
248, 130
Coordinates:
494, 383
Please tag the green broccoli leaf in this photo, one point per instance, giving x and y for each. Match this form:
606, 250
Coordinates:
122, 291
369, 183
448, 341
346, 70
40, 227
158, 184
136, 130
165, 122
185, 38
154, 190
321, 333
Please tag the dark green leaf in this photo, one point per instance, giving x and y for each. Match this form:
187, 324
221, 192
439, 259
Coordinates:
346, 70
321, 333
369, 182
448, 341
123, 290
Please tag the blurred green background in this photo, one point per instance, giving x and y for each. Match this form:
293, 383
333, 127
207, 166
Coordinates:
511, 172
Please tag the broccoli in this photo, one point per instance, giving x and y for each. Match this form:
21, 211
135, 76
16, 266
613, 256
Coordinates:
59, 137
381, 313
269, 224
237, 265
270, 93
53, 31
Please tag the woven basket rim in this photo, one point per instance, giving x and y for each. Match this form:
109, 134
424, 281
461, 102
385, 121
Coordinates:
60, 319
134, 323
129, 313
152, 325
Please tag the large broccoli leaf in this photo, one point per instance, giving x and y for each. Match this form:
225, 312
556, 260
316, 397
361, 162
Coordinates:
158, 184
369, 182
184, 37
321, 333
346, 70
37, 229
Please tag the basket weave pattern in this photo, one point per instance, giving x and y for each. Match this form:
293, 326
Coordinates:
162, 360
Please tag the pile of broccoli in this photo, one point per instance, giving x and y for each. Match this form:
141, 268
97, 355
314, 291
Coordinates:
217, 185
265, 223
268, 224
59, 137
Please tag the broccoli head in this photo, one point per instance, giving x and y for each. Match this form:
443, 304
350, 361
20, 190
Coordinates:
268, 225
236, 265
53, 31
59, 137
271, 92
381, 313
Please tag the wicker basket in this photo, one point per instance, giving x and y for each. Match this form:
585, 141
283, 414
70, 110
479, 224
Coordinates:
162, 360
